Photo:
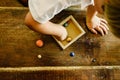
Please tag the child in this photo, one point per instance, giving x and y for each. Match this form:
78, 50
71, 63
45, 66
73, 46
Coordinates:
41, 11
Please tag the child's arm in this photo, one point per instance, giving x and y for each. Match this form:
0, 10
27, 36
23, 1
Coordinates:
94, 23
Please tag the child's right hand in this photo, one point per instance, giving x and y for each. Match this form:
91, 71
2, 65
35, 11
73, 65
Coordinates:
97, 24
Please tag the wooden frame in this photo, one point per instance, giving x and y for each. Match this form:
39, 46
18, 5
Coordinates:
74, 27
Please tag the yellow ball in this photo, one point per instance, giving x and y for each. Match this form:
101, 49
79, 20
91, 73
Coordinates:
69, 39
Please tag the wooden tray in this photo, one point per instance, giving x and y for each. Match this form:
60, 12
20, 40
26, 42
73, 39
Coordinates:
74, 30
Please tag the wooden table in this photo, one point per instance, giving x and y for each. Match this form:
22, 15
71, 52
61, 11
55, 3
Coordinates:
18, 49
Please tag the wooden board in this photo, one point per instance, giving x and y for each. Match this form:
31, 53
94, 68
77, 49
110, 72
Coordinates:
10, 3
18, 52
18, 49
74, 31
96, 57
61, 73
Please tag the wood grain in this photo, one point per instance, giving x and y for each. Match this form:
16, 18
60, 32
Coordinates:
96, 57
17, 44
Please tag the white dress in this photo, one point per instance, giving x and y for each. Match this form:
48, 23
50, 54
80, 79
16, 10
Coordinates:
44, 10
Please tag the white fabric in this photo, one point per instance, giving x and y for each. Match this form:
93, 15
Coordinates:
44, 10
85, 3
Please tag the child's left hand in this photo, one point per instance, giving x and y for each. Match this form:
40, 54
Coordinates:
98, 25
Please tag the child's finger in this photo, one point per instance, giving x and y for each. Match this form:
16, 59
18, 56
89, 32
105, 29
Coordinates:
103, 20
104, 29
104, 23
100, 30
103, 26
93, 30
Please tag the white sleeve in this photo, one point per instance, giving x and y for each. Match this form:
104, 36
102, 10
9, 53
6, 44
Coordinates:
85, 3
44, 10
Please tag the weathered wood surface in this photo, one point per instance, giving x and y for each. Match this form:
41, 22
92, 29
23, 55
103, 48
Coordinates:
10, 3
18, 49
61, 73
74, 74
17, 44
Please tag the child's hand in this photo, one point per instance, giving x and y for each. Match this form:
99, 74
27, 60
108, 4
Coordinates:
98, 25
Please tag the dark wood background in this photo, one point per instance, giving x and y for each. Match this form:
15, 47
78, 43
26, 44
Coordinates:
18, 49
